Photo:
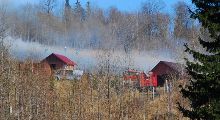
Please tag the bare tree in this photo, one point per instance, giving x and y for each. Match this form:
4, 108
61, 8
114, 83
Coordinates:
48, 5
3, 23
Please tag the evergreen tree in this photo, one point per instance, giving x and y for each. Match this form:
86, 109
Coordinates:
79, 11
67, 13
203, 91
88, 9
67, 4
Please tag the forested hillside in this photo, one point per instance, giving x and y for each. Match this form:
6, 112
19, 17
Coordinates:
73, 25
115, 45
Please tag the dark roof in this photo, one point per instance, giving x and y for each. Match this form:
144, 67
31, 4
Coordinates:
64, 59
175, 66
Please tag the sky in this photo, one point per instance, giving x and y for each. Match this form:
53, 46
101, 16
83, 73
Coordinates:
132, 5
123, 5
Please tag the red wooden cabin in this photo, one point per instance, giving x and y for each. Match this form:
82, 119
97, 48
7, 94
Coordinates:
57, 61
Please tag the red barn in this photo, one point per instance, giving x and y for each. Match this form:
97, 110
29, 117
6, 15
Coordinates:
166, 69
57, 61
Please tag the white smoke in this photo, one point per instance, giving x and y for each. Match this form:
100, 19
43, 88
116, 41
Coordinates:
85, 58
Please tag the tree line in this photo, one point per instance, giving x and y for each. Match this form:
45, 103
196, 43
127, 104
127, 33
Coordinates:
76, 26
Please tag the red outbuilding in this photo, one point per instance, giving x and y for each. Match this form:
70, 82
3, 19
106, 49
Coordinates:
57, 61
165, 70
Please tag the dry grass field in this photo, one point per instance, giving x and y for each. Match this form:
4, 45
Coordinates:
85, 101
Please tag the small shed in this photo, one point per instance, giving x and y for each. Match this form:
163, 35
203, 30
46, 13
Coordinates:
57, 61
165, 70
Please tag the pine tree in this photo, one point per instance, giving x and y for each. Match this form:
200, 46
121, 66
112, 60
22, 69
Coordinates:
67, 4
79, 11
203, 92
67, 13
88, 9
